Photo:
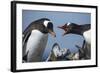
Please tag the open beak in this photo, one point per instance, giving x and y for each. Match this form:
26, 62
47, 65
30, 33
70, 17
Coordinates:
52, 33
61, 27
64, 28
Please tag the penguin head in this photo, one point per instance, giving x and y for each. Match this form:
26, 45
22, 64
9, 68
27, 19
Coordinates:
56, 50
70, 28
49, 27
44, 25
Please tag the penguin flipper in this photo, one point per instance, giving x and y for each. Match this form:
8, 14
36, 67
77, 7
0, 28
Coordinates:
24, 42
25, 57
26, 36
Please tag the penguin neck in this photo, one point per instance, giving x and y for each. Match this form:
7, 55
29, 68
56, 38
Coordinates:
84, 28
81, 29
41, 28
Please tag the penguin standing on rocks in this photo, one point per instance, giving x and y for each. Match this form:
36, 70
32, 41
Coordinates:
35, 39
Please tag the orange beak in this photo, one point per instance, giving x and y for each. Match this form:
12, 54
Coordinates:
52, 33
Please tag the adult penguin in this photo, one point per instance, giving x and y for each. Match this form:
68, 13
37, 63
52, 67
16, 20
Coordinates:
35, 39
83, 30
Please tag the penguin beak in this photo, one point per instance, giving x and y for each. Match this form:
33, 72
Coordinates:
52, 33
65, 28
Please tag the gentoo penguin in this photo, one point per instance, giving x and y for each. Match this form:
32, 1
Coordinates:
55, 53
83, 30
58, 54
35, 39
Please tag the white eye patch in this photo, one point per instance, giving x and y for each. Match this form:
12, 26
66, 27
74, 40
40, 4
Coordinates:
68, 23
46, 23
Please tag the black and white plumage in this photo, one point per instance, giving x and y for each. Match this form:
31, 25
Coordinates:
57, 53
83, 30
35, 39
82, 52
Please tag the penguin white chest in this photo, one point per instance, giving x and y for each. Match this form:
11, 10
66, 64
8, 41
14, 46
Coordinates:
36, 45
87, 36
